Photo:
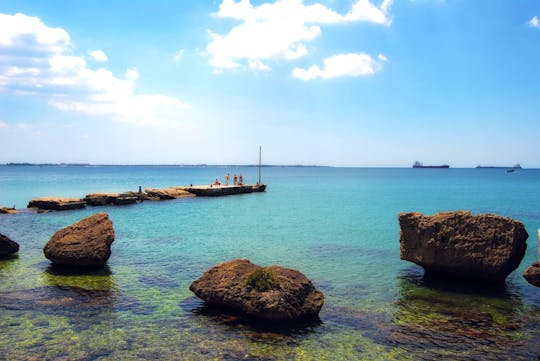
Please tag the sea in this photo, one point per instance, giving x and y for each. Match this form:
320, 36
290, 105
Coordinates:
338, 226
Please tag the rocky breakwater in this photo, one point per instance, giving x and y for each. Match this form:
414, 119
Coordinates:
167, 193
7, 246
272, 293
56, 204
114, 199
482, 247
86, 243
7, 210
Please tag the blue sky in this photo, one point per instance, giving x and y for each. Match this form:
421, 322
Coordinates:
328, 82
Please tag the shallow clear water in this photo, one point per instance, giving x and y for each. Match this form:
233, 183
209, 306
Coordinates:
336, 225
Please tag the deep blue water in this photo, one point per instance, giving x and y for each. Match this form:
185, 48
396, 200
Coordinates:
337, 225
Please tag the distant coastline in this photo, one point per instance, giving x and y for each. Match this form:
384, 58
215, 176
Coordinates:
12, 164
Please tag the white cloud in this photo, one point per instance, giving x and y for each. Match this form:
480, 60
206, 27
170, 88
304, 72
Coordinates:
37, 60
279, 30
179, 54
3, 125
257, 65
534, 22
381, 57
98, 55
132, 75
356, 64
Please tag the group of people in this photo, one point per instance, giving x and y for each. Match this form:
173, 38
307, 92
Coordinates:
237, 180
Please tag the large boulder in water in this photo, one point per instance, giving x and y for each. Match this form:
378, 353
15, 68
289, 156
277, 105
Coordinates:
486, 246
7, 246
273, 293
86, 243
532, 274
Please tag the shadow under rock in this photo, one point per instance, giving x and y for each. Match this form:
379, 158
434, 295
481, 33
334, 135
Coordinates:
233, 318
57, 270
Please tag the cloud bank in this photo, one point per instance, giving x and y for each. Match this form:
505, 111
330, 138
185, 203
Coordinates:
38, 60
279, 30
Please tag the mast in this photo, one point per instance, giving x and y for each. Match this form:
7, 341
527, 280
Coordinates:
260, 164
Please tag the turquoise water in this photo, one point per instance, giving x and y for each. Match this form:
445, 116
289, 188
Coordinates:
336, 225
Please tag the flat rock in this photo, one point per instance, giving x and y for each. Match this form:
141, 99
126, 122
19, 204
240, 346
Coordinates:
167, 193
56, 203
532, 274
484, 247
294, 296
7, 246
104, 199
86, 243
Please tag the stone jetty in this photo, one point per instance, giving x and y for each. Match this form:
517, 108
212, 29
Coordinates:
167, 193
56, 204
7, 210
272, 293
112, 199
223, 190
86, 243
483, 247
46, 204
7, 246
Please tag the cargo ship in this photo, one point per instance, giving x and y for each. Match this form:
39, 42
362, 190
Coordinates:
420, 165
515, 166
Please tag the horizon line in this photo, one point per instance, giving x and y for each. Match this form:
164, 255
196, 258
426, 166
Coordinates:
250, 165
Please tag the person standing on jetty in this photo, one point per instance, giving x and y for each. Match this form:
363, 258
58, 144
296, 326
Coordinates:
240, 180
227, 178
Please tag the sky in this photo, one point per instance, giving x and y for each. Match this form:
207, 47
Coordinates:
370, 83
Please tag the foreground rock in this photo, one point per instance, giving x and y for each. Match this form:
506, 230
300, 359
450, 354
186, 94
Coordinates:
167, 193
85, 243
286, 295
532, 274
486, 246
7, 246
56, 204
116, 199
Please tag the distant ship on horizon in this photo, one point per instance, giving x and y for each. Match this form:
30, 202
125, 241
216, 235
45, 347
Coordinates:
417, 164
515, 166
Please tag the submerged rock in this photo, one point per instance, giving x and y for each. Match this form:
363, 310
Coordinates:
273, 293
56, 204
486, 247
532, 274
104, 199
7, 246
85, 243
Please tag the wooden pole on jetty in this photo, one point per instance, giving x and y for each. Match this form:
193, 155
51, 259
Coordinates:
259, 165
